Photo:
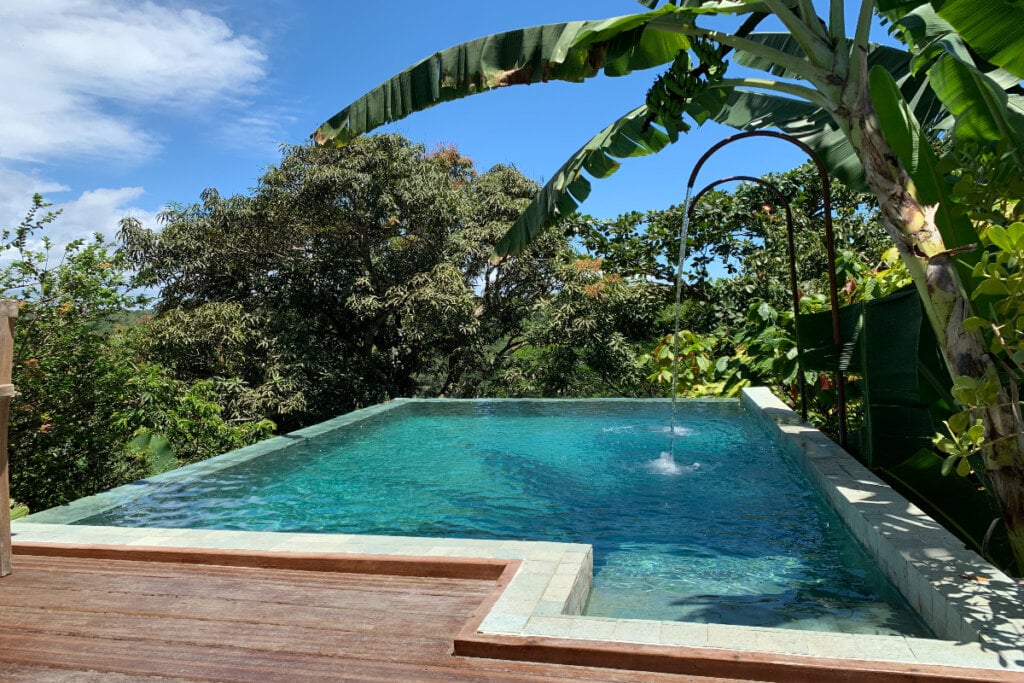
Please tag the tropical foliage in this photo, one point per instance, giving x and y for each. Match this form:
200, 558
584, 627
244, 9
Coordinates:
354, 275
91, 413
958, 76
737, 309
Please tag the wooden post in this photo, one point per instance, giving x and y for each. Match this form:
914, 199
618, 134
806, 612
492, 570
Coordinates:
8, 312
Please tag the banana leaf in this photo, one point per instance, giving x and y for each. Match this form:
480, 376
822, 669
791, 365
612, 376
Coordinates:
630, 136
741, 109
994, 29
573, 52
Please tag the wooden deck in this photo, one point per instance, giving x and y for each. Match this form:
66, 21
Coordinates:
67, 618
118, 613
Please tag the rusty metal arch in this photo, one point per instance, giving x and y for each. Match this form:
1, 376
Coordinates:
791, 253
826, 193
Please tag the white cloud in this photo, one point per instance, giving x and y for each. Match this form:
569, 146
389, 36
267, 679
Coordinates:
263, 132
83, 79
99, 210
76, 71
93, 211
16, 190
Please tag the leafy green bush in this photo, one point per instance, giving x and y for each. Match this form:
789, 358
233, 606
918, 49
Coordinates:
85, 394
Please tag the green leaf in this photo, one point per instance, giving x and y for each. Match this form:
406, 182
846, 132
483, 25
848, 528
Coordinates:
627, 137
573, 52
157, 448
812, 125
18, 511
963, 468
958, 422
995, 29
965, 382
783, 42
886, 6
980, 107
975, 324
949, 463
1015, 232
999, 237
991, 286
723, 6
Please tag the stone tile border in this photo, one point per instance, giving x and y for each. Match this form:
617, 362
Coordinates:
980, 623
937, 575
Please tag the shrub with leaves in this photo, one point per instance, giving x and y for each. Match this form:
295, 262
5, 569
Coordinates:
85, 395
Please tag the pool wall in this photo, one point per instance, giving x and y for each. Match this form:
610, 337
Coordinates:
101, 502
976, 610
959, 595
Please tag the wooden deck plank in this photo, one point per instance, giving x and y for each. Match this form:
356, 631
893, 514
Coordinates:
80, 619
16, 673
266, 593
228, 664
288, 578
226, 611
203, 596
361, 641
208, 614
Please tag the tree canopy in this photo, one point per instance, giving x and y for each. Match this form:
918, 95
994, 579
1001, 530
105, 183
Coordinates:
348, 277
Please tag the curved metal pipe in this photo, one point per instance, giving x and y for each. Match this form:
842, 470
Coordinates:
826, 194
791, 253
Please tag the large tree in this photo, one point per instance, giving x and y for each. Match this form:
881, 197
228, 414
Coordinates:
865, 108
350, 276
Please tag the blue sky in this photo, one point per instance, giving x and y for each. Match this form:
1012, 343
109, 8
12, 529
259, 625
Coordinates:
117, 108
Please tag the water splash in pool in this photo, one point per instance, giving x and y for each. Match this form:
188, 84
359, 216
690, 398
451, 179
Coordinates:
667, 465
667, 461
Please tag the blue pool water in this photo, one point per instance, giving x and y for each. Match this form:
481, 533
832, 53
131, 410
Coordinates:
734, 534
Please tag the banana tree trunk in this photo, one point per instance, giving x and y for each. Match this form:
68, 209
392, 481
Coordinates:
946, 303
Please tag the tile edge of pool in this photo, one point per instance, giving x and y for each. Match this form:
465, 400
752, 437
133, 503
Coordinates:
976, 610
981, 624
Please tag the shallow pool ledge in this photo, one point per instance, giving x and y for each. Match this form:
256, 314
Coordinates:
961, 597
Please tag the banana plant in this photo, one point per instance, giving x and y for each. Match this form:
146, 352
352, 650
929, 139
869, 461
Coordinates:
820, 81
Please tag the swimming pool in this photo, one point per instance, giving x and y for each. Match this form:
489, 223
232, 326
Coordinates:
735, 535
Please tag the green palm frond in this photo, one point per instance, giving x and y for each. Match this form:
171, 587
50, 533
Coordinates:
571, 52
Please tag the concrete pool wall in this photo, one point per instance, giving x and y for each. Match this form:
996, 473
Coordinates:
974, 609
